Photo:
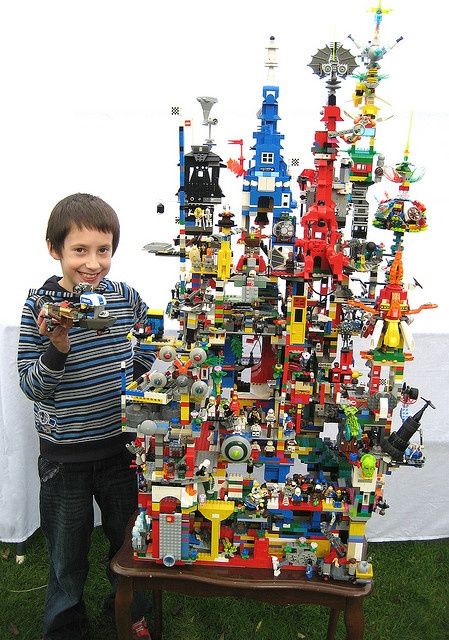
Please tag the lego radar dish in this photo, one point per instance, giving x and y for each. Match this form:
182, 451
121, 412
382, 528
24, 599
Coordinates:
333, 59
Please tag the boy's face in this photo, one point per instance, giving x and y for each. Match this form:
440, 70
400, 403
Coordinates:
85, 257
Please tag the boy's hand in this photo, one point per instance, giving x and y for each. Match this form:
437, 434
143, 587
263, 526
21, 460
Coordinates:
57, 333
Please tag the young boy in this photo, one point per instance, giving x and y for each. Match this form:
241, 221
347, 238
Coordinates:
73, 375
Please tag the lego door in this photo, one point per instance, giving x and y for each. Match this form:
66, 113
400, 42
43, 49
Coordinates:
170, 537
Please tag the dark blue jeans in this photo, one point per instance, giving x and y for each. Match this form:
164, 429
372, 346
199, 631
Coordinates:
67, 520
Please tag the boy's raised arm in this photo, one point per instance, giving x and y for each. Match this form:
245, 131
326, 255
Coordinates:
40, 365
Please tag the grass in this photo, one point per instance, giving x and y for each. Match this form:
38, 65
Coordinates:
410, 600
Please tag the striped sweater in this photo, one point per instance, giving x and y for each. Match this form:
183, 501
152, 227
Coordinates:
77, 395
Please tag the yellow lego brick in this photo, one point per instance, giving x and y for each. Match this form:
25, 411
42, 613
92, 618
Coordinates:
224, 260
155, 312
149, 397
188, 510
323, 547
357, 528
332, 312
216, 509
244, 538
330, 507
297, 335
365, 575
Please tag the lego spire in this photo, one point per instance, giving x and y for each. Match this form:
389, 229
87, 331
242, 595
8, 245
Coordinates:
271, 62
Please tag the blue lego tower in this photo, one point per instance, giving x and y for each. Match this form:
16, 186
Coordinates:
266, 186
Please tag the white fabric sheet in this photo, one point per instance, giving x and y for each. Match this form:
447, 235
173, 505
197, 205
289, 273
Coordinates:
19, 482
418, 498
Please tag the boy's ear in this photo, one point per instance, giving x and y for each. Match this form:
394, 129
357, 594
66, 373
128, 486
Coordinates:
52, 251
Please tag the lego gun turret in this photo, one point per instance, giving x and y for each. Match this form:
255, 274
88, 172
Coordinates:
397, 442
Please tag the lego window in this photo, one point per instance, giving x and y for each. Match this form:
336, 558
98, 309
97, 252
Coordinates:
267, 158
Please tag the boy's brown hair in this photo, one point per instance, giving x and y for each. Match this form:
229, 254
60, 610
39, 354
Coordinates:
81, 210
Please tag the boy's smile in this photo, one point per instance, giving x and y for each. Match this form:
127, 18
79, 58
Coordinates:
85, 257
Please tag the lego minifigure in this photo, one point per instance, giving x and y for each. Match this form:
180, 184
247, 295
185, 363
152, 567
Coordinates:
270, 419
269, 449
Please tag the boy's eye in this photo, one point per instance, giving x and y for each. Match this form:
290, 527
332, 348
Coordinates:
79, 249
105, 249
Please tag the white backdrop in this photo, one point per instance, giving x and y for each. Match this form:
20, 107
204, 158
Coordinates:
87, 89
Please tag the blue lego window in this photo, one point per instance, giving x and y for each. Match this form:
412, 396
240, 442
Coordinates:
267, 157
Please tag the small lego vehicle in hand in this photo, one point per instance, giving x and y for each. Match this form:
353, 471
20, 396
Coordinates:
88, 313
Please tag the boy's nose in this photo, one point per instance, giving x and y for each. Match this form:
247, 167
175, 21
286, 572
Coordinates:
92, 262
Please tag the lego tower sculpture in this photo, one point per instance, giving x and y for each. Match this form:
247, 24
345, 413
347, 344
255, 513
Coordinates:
264, 357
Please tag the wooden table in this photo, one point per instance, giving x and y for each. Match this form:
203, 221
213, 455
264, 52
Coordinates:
291, 587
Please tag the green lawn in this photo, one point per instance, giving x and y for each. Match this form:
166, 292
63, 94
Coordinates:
410, 600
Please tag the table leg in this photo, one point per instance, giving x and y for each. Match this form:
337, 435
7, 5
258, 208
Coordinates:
354, 618
157, 614
332, 625
123, 599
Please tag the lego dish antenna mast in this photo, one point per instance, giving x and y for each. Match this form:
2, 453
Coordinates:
207, 102
334, 61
